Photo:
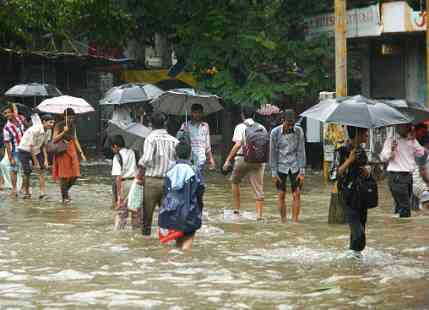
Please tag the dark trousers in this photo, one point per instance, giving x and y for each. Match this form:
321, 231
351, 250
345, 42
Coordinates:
356, 218
401, 187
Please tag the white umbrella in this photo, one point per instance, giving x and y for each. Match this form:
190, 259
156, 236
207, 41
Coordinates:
33, 90
58, 105
268, 109
179, 101
129, 93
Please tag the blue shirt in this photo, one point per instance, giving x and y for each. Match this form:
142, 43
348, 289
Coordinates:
287, 151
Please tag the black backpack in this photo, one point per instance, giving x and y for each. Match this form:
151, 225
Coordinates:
257, 144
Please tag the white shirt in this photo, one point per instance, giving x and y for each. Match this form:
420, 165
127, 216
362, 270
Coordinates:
33, 139
128, 168
240, 133
200, 140
159, 153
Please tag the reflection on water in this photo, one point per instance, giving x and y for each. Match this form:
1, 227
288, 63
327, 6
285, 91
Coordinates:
54, 256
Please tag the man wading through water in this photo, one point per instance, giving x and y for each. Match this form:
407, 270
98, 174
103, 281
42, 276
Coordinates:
399, 154
158, 157
250, 152
287, 160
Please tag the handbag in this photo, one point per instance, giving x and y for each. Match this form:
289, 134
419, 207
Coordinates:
367, 190
57, 148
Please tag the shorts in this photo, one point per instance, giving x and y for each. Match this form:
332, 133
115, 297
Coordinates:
27, 161
294, 182
255, 173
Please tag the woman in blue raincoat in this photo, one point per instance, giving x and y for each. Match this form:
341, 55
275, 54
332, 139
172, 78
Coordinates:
180, 215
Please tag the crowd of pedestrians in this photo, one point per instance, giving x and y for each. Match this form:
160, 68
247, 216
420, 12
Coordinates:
170, 172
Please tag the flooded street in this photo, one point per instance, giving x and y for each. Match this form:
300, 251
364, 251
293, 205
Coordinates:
67, 257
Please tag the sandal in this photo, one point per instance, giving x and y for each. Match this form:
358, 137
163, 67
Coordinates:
26, 196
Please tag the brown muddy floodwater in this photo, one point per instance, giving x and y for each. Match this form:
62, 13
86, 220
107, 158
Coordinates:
67, 257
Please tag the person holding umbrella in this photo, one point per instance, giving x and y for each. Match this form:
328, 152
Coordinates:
399, 154
357, 189
199, 136
352, 161
66, 165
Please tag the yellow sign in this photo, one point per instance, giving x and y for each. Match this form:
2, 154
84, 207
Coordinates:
155, 76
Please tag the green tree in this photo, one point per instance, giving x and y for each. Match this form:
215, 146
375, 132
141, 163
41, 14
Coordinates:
24, 21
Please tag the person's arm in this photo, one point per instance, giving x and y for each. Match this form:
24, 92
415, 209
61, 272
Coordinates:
233, 152
388, 151
45, 156
418, 149
119, 191
32, 132
347, 162
238, 142
274, 154
79, 148
9, 154
59, 135
301, 152
210, 158
147, 154
6, 139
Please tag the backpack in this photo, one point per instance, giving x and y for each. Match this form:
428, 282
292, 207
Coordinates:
257, 144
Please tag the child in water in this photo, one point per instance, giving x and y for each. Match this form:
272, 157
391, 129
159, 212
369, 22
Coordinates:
180, 215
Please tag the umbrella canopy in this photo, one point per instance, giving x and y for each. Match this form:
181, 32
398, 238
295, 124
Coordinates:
179, 101
356, 111
416, 112
134, 134
58, 105
33, 90
129, 93
268, 109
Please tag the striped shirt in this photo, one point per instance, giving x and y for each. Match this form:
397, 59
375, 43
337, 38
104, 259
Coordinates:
200, 140
158, 153
13, 132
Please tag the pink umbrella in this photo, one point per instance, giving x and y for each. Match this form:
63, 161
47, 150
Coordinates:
58, 105
268, 109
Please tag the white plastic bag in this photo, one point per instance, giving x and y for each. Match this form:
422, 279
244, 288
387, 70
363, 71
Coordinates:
135, 196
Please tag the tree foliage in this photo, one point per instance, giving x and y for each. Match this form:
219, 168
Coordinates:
247, 51
22, 21
244, 50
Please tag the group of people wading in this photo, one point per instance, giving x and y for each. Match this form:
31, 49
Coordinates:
170, 173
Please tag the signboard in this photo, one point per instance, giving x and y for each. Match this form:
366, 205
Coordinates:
333, 136
400, 17
361, 22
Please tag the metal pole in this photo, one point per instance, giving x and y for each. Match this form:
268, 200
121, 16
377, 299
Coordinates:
341, 48
336, 208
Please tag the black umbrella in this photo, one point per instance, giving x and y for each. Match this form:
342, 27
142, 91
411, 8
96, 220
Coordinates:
356, 111
416, 112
